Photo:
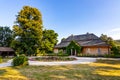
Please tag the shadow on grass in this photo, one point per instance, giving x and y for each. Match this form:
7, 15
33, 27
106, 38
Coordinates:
2, 71
100, 70
113, 62
107, 69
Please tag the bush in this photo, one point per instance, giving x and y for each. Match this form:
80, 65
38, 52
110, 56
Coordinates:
87, 55
20, 60
112, 55
62, 54
116, 50
1, 59
57, 54
54, 58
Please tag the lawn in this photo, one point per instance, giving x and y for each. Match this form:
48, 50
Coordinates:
5, 59
100, 70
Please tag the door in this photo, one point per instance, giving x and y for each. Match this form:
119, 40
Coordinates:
99, 51
73, 52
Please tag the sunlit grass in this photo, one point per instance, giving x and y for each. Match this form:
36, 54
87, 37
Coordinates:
108, 72
100, 70
107, 63
107, 67
11, 74
6, 59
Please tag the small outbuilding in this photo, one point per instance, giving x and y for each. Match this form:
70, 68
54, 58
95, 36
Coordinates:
6, 51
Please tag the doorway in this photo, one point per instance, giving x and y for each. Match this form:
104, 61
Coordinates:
73, 52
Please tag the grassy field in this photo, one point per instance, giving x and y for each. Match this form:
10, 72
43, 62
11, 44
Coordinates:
4, 60
101, 70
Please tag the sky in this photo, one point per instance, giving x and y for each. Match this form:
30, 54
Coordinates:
68, 17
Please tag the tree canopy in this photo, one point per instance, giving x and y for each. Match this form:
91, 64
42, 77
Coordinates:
107, 39
29, 36
28, 31
5, 36
49, 40
115, 49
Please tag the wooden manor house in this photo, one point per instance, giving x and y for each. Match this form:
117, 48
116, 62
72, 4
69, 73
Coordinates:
90, 43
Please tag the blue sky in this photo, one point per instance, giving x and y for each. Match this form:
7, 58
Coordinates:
68, 17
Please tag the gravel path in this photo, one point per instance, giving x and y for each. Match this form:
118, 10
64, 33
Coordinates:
6, 64
80, 60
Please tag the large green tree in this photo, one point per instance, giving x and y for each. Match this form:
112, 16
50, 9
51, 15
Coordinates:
5, 36
28, 31
107, 39
49, 40
114, 48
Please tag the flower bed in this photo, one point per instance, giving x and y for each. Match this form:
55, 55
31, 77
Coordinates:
53, 58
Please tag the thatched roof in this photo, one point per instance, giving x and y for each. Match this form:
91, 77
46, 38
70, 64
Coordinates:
82, 40
6, 49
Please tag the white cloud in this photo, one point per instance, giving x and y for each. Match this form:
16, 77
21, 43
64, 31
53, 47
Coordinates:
114, 33
115, 36
115, 30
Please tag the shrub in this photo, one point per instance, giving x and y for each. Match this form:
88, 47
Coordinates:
54, 58
57, 54
112, 55
63, 54
1, 59
87, 55
116, 50
20, 60
41, 53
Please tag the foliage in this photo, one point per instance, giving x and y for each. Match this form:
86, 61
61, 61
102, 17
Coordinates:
60, 53
63, 39
57, 54
49, 40
41, 53
5, 36
28, 31
20, 60
1, 60
88, 55
54, 58
73, 45
115, 48
107, 39
117, 42
112, 55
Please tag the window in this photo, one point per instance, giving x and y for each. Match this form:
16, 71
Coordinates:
88, 50
99, 51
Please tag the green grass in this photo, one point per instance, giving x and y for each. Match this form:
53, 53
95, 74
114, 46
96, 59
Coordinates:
6, 59
100, 70
2, 60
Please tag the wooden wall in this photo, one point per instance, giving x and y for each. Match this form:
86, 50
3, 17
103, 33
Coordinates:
96, 50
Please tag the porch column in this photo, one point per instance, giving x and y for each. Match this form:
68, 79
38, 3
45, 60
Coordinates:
71, 52
75, 52
7, 53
